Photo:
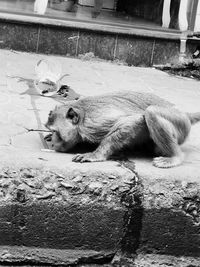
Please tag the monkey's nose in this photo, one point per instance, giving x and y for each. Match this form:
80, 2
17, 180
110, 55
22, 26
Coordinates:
47, 125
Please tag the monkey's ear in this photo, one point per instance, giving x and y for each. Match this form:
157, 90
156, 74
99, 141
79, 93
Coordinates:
72, 115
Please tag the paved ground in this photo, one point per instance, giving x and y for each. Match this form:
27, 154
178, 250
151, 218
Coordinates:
23, 109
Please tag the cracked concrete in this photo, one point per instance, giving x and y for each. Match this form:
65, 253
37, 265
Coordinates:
49, 202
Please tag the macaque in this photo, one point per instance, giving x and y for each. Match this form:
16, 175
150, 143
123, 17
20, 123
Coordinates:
118, 121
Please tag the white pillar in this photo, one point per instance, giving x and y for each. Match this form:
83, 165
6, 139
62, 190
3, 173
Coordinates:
40, 6
197, 21
182, 16
182, 51
166, 13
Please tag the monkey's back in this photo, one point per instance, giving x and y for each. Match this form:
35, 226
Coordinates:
127, 102
99, 113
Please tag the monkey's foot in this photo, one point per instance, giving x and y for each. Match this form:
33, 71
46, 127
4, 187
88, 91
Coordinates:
88, 157
167, 162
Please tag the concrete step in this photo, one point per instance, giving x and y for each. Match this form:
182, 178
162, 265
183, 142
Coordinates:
94, 214
23, 256
81, 209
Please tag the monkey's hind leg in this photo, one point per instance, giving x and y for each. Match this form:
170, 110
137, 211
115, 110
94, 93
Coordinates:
168, 128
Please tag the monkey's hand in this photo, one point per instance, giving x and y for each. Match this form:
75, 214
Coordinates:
89, 157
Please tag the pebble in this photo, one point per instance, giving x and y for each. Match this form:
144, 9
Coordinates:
67, 185
184, 184
22, 187
95, 187
50, 195
50, 186
112, 176
124, 189
127, 181
114, 187
78, 179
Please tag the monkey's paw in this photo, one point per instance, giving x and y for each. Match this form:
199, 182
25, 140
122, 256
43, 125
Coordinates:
88, 157
167, 162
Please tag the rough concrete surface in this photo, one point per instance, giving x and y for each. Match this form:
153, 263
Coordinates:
92, 211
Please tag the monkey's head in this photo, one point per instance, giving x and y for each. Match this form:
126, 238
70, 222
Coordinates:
64, 120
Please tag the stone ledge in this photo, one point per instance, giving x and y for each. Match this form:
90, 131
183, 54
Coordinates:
45, 208
38, 256
93, 26
90, 210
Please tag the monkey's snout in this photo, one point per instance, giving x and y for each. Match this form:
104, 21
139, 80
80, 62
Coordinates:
50, 127
47, 125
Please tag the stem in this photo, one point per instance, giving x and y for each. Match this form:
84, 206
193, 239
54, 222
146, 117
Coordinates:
38, 130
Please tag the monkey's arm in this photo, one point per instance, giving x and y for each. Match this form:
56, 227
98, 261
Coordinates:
125, 133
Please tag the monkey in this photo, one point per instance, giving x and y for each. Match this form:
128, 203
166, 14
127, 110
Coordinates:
118, 121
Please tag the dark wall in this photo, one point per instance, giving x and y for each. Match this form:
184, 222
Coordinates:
149, 9
130, 49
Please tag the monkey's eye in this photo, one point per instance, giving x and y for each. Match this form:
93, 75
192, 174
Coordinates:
50, 113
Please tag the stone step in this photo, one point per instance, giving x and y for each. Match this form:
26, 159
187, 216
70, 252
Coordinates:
97, 213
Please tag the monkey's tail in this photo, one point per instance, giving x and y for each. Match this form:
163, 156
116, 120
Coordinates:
194, 117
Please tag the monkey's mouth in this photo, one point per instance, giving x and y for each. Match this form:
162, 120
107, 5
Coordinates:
53, 131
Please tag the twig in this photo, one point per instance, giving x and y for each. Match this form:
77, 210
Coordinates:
38, 130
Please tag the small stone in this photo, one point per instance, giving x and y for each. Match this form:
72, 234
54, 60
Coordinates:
95, 185
16, 182
112, 176
128, 181
3, 175
60, 176
46, 196
6, 255
78, 179
28, 175
184, 184
22, 187
136, 179
108, 199
50, 186
194, 213
5, 183
33, 183
85, 200
67, 185
114, 187
124, 189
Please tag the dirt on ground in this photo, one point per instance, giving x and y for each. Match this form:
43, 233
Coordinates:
189, 68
